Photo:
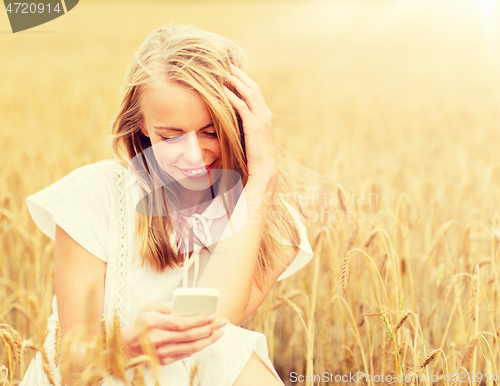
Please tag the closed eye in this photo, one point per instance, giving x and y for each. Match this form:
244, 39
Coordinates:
178, 137
172, 139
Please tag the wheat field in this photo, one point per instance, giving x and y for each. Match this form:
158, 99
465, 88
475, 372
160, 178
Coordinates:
394, 109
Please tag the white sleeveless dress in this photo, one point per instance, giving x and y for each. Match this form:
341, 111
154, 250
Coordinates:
95, 205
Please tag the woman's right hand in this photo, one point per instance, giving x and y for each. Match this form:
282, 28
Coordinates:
173, 337
257, 122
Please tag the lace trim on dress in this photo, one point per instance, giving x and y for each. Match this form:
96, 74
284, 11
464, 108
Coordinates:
121, 285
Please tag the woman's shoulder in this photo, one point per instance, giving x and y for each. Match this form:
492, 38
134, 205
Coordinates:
97, 177
92, 188
83, 203
105, 168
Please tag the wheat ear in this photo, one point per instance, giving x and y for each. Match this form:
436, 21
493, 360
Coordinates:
341, 193
473, 297
345, 273
57, 356
429, 358
46, 364
403, 319
193, 374
13, 339
469, 349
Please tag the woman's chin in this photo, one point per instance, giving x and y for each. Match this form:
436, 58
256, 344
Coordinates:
194, 185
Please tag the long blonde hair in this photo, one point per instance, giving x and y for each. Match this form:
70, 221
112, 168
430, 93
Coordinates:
199, 60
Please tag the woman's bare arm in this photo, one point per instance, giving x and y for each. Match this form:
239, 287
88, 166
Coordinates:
231, 267
77, 271
257, 295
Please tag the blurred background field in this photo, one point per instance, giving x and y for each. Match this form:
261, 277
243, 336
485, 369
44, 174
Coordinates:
397, 101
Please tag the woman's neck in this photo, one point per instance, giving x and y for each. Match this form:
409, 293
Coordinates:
196, 201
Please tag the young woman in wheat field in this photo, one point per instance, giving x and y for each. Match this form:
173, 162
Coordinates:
192, 198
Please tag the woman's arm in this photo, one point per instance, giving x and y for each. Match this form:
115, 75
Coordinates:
231, 267
257, 295
76, 272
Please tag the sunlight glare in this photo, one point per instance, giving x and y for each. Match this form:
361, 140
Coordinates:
488, 9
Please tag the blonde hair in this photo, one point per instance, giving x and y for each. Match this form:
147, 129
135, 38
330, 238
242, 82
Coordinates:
199, 60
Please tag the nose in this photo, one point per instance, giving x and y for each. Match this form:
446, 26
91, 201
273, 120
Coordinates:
192, 151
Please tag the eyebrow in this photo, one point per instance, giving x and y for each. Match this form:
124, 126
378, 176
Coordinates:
176, 129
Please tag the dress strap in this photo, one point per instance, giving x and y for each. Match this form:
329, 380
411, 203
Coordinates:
203, 234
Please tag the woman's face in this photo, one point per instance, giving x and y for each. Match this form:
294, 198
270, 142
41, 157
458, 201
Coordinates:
182, 134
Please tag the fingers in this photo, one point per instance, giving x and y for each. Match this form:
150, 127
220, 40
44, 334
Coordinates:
245, 91
163, 307
239, 73
187, 349
253, 100
237, 103
192, 334
173, 358
183, 323
165, 331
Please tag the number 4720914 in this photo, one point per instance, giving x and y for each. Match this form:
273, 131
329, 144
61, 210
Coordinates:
31, 8
463, 376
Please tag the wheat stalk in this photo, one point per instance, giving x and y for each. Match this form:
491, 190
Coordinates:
473, 297
370, 239
403, 319
193, 374
469, 349
345, 273
138, 379
46, 364
428, 359
387, 324
353, 235
136, 361
297, 310
13, 339
117, 360
449, 287
57, 356
342, 194
467, 248
105, 332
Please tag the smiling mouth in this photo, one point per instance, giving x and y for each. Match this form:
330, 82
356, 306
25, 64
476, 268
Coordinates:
197, 171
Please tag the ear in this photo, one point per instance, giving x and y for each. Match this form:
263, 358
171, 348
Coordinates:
144, 129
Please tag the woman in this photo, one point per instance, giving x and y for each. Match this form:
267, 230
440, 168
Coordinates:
192, 186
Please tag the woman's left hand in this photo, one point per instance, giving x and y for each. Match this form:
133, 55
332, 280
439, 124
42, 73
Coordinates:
257, 124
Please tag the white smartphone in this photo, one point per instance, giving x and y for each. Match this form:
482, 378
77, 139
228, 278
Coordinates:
194, 300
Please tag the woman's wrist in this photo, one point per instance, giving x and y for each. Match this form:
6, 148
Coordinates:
267, 180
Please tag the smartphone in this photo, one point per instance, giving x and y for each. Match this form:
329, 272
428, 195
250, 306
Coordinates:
194, 301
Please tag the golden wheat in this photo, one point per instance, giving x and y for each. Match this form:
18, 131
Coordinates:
391, 125
429, 358
469, 349
403, 319
473, 297
345, 273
